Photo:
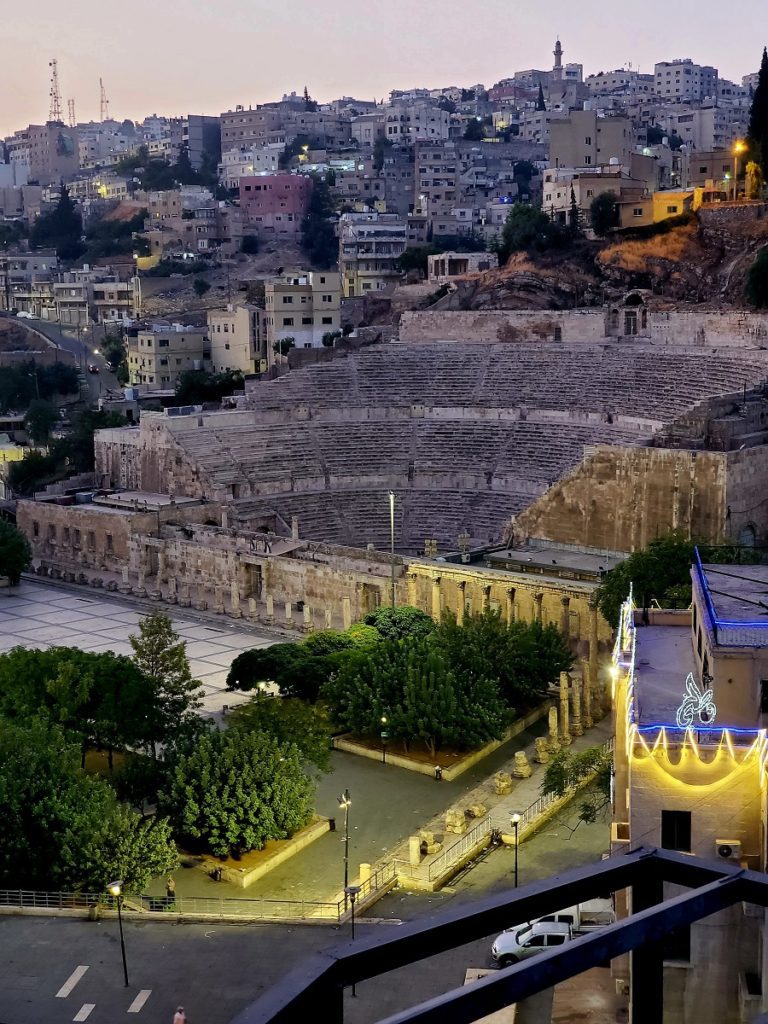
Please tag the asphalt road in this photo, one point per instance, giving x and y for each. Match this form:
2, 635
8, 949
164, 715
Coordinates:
82, 348
216, 970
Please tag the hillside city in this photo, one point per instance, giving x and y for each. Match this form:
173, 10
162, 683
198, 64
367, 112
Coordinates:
384, 555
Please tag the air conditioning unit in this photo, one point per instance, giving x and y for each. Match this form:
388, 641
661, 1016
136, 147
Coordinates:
728, 849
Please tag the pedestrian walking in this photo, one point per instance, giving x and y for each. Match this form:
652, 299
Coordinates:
179, 1017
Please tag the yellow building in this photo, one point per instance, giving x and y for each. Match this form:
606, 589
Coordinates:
691, 700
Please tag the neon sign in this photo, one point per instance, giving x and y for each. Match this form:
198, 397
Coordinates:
696, 702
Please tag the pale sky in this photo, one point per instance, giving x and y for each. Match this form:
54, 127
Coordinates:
169, 57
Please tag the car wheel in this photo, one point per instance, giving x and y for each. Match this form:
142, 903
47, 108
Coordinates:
508, 961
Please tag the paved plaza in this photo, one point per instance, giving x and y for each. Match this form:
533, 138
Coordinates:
41, 615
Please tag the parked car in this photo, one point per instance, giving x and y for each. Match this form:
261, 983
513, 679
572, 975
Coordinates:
93, 368
527, 940
584, 917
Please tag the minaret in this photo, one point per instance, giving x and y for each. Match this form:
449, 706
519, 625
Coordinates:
557, 71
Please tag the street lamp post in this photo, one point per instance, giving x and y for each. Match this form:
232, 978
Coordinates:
392, 542
116, 889
738, 148
352, 891
516, 826
345, 801
384, 738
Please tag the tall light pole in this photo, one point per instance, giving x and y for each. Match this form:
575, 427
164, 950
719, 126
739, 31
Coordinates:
739, 147
384, 738
392, 542
516, 826
352, 891
345, 801
116, 889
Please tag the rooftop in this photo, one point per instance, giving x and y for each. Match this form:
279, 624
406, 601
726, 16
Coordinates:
738, 593
547, 560
663, 659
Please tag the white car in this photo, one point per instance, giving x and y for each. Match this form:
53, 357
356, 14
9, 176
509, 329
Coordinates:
527, 940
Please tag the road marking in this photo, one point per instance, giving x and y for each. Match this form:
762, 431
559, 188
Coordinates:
85, 1011
71, 981
139, 1001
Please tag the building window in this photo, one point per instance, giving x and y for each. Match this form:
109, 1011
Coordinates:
676, 830
287, 321
588, 140
671, 209
327, 319
109, 542
637, 212
77, 538
676, 945
287, 298
65, 532
35, 528
305, 320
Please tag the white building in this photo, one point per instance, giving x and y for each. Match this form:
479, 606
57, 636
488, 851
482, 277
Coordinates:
303, 305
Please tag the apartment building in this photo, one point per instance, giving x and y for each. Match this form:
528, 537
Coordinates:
407, 123
245, 162
238, 339
158, 355
370, 246
622, 82
303, 305
585, 139
251, 127
275, 204
50, 152
706, 127
684, 81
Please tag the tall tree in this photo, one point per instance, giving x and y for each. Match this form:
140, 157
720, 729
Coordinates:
289, 720
232, 791
61, 228
162, 658
757, 133
400, 622
540, 104
604, 213
573, 214
15, 552
40, 420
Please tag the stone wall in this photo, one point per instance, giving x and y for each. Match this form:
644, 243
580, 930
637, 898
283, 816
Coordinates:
670, 329
619, 499
746, 510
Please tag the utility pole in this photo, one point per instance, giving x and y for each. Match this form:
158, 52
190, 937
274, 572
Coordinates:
54, 113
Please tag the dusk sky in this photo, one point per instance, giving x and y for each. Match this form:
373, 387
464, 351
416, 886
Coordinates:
176, 58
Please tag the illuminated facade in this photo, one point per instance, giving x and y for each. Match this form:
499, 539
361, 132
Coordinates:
690, 695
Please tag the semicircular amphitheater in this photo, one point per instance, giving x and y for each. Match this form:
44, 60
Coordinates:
466, 435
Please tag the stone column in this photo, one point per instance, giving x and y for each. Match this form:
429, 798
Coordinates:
218, 600
294, 527
593, 644
288, 613
436, 606
328, 618
577, 729
412, 577
586, 695
565, 617
161, 566
234, 598
509, 610
346, 612
565, 733
486, 598
461, 602
307, 612
252, 608
537, 602
270, 608
554, 742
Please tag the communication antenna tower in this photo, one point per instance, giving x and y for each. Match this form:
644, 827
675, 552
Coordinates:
104, 102
71, 113
55, 111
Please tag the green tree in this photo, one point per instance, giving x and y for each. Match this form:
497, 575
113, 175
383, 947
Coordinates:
296, 669
756, 286
32, 473
573, 214
661, 572
540, 104
757, 132
566, 771
233, 791
380, 148
197, 386
40, 420
604, 213
527, 227
523, 658
162, 658
475, 130
400, 622
63, 829
287, 720
200, 287
284, 345
415, 258
318, 235
114, 351
15, 552
61, 228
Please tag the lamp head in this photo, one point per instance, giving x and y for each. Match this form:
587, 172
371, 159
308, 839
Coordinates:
115, 888
515, 818
344, 800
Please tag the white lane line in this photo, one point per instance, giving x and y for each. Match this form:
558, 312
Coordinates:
139, 1001
84, 1012
71, 981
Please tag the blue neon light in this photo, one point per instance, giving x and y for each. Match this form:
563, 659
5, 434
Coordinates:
740, 624
720, 728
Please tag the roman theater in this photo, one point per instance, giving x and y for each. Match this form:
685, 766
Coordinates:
525, 451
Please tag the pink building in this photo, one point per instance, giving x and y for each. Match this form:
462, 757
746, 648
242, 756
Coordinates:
274, 203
